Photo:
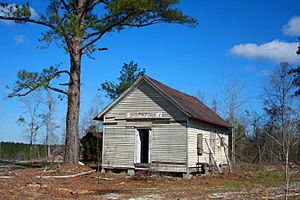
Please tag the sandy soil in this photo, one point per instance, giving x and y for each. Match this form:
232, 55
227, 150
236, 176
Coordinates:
28, 184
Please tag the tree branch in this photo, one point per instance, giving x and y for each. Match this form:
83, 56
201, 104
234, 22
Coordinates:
98, 49
115, 15
155, 21
57, 90
26, 93
64, 84
56, 8
104, 31
58, 73
97, 21
24, 19
47, 86
273, 138
89, 6
101, 1
42, 81
65, 72
91, 35
67, 7
296, 143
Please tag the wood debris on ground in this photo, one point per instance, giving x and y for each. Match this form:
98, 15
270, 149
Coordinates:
82, 182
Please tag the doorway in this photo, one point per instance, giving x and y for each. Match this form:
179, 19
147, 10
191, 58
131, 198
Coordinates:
142, 146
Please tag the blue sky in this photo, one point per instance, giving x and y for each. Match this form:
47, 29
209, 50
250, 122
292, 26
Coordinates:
245, 39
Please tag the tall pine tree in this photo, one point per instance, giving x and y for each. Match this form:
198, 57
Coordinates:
77, 26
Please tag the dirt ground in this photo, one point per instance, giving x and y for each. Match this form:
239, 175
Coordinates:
30, 183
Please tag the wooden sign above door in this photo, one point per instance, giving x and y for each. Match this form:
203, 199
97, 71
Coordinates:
143, 115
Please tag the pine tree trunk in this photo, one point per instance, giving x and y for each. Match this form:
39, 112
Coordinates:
72, 129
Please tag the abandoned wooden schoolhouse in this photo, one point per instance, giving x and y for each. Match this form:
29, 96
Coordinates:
154, 127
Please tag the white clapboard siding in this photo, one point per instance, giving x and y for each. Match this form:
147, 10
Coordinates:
118, 147
145, 99
168, 167
209, 133
169, 143
168, 140
193, 130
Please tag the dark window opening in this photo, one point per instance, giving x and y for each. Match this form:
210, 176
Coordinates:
199, 144
144, 137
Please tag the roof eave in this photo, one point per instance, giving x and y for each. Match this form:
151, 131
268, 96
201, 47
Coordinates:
215, 124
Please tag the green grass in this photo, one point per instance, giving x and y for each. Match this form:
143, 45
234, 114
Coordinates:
234, 183
268, 179
273, 179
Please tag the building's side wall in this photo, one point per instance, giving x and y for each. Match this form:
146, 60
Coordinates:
209, 134
194, 129
220, 153
169, 143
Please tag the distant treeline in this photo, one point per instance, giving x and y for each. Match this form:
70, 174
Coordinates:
21, 151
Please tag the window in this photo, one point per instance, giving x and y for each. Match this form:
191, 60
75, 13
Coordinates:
199, 144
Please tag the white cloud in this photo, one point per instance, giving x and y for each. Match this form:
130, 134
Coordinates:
292, 28
12, 7
20, 39
276, 51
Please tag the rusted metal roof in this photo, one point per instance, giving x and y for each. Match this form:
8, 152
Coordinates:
190, 104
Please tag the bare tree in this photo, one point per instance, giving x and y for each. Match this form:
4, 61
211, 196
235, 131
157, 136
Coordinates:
49, 121
258, 139
278, 93
231, 100
201, 95
31, 119
214, 105
87, 120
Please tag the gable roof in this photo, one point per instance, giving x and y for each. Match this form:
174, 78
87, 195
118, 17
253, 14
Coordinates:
190, 105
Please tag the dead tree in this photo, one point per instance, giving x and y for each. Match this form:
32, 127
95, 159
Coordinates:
201, 96
230, 102
278, 93
31, 119
87, 120
214, 105
50, 122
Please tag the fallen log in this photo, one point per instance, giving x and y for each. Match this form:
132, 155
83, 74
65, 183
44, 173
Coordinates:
67, 176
